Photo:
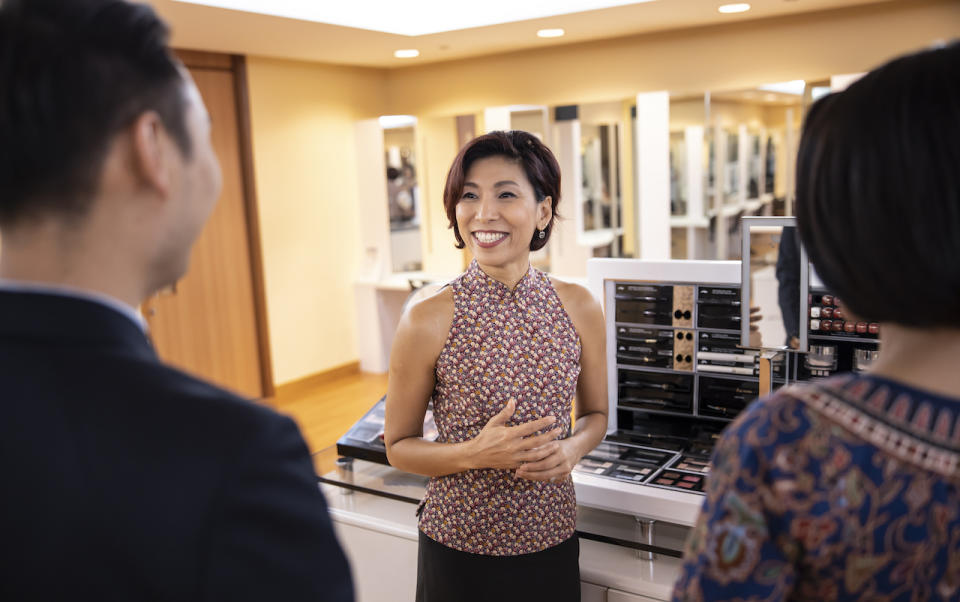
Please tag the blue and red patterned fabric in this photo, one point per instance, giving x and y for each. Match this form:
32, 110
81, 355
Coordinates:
846, 489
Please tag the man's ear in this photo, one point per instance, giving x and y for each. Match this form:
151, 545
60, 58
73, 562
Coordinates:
150, 158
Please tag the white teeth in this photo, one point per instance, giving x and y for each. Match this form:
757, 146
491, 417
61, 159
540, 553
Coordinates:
489, 237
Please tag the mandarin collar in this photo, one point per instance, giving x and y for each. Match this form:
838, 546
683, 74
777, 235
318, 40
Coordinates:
479, 281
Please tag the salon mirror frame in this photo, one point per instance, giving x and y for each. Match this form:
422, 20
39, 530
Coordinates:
771, 222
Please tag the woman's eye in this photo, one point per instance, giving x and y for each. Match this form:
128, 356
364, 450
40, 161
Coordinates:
468, 195
507, 195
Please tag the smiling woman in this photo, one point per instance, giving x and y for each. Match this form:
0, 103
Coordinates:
502, 351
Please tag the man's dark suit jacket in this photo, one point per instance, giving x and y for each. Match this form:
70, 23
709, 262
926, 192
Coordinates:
124, 479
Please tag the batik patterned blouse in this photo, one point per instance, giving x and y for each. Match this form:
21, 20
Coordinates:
845, 489
503, 344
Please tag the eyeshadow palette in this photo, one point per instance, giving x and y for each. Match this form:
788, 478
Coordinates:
630, 473
678, 479
628, 454
593, 466
607, 451
693, 464
624, 462
645, 465
647, 456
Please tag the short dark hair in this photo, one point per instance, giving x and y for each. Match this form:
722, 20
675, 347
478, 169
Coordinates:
73, 73
539, 165
878, 191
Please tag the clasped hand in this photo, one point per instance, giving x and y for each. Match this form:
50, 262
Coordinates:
534, 457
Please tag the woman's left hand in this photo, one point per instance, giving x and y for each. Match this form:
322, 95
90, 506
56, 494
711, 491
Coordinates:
555, 467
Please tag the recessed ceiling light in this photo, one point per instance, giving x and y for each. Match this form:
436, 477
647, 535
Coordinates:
408, 53
740, 7
550, 33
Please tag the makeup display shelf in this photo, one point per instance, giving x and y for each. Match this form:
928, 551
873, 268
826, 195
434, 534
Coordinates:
838, 342
677, 373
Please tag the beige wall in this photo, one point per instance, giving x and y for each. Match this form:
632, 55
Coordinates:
738, 56
303, 118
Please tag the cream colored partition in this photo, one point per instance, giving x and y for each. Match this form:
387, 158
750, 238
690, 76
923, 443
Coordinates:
567, 257
372, 200
653, 175
437, 146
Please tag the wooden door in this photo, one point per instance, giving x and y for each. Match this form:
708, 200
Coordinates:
210, 323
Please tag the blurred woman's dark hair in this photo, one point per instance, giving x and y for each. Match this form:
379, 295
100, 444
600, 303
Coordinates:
878, 191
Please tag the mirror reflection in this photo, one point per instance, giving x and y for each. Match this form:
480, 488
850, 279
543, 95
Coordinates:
775, 265
403, 193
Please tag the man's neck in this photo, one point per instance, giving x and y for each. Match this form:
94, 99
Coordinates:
47, 254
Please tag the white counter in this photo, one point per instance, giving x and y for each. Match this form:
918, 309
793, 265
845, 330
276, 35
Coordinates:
380, 537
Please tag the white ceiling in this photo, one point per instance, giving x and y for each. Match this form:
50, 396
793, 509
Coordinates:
223, 30
413, 17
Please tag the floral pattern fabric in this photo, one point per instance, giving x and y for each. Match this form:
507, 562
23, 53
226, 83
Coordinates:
503, 344
845, 489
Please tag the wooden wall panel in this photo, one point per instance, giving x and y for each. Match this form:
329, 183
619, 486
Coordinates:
207, 324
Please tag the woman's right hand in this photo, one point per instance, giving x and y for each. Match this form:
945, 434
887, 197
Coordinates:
507, 447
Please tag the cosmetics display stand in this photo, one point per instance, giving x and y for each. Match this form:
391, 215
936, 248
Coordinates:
676, 377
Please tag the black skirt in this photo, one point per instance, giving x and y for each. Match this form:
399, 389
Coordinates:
448, 575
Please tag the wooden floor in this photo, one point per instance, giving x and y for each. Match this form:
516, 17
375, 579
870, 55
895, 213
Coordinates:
326, 411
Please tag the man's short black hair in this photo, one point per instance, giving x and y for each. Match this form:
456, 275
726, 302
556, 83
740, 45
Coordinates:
878, 191
72, 74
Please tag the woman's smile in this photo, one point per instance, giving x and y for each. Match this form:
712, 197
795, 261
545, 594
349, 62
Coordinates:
488, 239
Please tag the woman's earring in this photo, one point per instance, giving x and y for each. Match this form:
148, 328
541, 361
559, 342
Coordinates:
542, 235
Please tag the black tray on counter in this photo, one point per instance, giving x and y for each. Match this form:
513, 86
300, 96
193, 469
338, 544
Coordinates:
364, 440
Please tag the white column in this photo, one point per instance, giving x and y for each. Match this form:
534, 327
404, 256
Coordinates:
372, 200
437, 146
374, 242
762, 180
567, 257
653, 175
720, 200
496, 118
743, 163
790, 150
693, 143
